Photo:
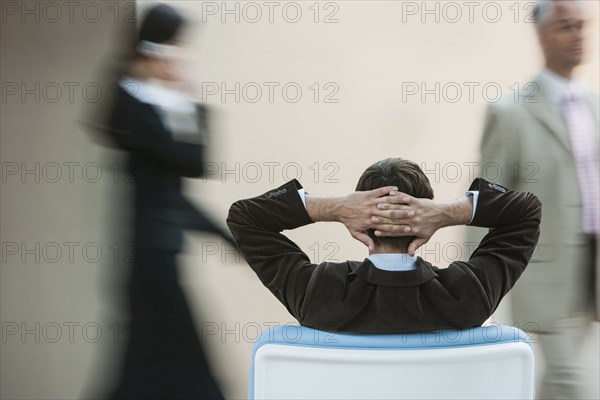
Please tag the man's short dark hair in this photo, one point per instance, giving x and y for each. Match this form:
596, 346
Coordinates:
407, 177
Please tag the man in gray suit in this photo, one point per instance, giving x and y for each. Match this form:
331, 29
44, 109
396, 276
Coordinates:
547, 143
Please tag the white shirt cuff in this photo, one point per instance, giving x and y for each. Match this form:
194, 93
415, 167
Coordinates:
302, 193
475, 194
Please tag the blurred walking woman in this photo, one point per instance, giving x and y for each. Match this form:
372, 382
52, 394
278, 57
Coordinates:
162, 129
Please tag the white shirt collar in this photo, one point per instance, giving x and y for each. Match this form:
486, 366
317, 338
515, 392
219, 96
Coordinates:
394, 261
154, 93
176, 110
555, 87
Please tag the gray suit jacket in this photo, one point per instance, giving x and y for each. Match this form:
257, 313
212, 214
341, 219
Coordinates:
526, 147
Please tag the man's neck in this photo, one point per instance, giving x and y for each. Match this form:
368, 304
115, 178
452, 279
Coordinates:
386, 250
563, 72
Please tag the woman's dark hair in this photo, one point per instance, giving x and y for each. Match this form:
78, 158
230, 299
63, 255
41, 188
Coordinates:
161, 24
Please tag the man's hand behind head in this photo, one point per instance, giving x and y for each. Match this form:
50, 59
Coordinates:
357, 210
402, 215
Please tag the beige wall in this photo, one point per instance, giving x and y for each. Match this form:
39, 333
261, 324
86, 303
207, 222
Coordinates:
363, 61
370, 54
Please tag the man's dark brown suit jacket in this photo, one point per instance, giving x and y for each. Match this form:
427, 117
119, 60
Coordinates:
356, 296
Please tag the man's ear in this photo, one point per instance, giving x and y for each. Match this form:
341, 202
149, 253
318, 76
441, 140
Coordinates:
542, 37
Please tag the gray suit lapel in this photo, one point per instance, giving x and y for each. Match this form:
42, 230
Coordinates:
539, 106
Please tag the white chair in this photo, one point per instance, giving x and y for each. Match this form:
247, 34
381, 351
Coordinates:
490, 362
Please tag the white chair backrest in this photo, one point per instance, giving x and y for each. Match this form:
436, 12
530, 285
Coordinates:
491, 362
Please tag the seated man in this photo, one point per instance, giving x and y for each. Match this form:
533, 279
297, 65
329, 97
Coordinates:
391, 291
